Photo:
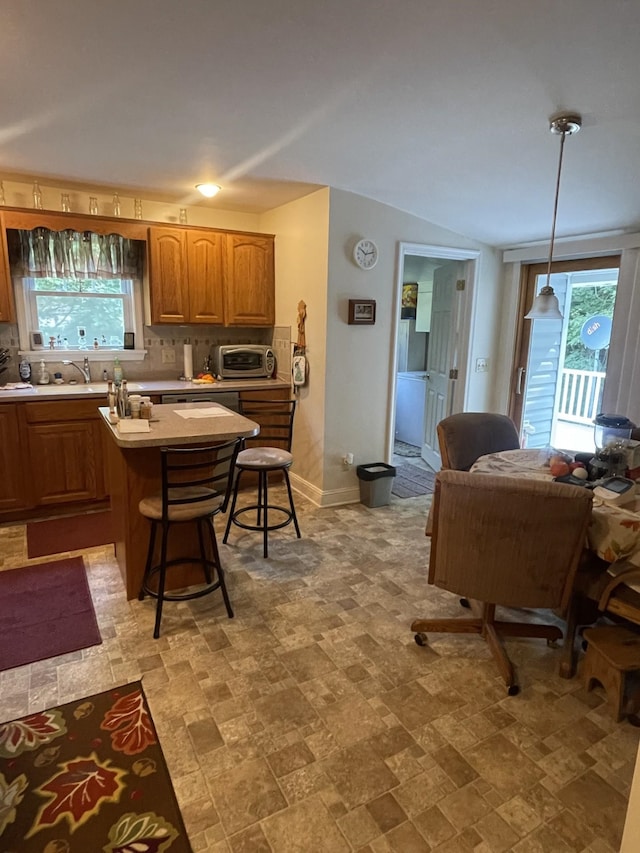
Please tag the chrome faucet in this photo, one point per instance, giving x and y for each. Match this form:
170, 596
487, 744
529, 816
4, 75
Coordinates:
84, 370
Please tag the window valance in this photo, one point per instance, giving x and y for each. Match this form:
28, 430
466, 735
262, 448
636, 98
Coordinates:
42, 253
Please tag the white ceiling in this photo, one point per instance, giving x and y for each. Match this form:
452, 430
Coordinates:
436, 107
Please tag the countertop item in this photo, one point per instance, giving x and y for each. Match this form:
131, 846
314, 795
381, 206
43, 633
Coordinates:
170, 428
10, 393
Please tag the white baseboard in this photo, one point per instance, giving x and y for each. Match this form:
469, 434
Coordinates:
333, 497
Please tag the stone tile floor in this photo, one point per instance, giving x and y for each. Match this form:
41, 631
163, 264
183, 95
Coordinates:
313, 722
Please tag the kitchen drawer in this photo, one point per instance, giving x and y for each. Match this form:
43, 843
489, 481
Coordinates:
62, 410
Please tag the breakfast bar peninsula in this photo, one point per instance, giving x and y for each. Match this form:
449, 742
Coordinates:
133, 460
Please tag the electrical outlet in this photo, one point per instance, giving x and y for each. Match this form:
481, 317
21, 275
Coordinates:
168, 356
482, 365
347, 460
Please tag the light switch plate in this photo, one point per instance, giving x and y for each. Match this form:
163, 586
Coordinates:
481, 365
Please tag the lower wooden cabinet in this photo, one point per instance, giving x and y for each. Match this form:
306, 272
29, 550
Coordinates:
65, 447
14, 461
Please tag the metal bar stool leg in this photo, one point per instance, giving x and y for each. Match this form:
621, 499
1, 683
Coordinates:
219, 569
233, 507
264, 475
147, 568
291, 504
161, 580
203, 551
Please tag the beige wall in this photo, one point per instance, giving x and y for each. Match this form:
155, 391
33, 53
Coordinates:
360, 358
19, 194
301, 251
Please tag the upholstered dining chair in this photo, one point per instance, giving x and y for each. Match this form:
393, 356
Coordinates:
266, 454
504, 542
464, 437
196, 485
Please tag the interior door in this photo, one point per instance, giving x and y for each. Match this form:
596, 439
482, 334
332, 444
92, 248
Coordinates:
441, 356
560, 367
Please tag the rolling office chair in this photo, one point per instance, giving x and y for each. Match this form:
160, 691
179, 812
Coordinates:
464, 437
501, 541
269, 452
196, 485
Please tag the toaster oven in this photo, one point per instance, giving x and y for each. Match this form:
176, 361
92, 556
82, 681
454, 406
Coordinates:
243, 361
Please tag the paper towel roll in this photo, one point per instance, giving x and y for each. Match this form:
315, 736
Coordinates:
188, 361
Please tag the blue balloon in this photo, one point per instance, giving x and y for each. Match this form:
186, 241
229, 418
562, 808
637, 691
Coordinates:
596, 332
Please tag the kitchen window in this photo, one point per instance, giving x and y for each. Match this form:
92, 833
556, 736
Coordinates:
79, 289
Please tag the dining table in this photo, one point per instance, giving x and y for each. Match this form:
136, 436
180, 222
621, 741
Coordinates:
614, 531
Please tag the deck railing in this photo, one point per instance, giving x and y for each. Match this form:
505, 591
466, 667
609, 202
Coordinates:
580, 395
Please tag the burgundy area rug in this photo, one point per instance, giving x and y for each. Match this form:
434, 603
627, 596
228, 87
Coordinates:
88, 776
45, 610
72, 533
411, 481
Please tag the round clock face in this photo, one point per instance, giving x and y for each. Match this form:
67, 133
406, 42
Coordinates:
365, 254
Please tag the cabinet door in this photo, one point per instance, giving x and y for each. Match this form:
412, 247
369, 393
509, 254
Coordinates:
13, 482
168, 285
7, 311
249, 281
205, 259
63, 462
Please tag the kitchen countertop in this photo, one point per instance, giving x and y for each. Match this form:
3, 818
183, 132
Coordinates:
143, 386
167, 428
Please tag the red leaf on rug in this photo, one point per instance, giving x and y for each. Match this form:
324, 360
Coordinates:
77, 792
31, 732
130, 724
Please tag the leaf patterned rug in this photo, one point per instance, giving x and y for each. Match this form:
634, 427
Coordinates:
88, 776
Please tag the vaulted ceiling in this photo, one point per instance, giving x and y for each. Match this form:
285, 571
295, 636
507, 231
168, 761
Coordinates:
436, 107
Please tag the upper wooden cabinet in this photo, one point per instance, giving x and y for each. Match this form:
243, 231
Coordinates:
205, 251
168, 273
205, 276
7, 310
250, 290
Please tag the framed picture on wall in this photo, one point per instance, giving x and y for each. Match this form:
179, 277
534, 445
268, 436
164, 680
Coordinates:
362, 312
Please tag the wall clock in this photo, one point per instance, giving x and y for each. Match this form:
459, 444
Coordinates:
365, 254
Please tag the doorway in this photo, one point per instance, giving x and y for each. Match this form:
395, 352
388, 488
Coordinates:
430, 347
561, 364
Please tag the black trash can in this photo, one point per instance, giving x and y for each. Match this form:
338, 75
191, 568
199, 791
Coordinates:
376, 481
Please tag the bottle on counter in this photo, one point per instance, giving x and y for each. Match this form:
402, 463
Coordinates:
117, 371
123, 400
43, 375
112, 398
25, 370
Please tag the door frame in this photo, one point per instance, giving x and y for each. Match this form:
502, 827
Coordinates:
464, 321
528, 278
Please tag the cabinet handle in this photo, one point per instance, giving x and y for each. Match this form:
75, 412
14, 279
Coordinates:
521, 372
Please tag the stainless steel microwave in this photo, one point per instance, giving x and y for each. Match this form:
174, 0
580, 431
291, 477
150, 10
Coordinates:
243, 361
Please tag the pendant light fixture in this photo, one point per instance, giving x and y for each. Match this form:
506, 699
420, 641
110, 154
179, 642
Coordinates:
545, 305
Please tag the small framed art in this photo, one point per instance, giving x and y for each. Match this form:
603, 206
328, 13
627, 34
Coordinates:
362, 312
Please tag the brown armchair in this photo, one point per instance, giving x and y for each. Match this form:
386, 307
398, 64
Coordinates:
465, 437
502, 541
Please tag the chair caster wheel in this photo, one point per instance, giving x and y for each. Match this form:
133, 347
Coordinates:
421, 639
513, 690
464, 602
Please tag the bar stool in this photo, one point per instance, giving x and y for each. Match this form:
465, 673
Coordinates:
196, 485
276, 425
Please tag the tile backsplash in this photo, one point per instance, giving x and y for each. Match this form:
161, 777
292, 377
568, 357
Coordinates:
164, 347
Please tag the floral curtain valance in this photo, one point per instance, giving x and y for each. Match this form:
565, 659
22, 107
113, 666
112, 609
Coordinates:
43, 253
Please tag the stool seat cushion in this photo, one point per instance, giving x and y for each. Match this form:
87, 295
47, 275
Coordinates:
263, 458
151, 507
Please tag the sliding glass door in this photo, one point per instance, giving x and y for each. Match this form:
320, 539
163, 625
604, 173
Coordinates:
561, 365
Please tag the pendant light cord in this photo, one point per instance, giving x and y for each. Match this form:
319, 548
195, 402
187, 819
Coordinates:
555, 209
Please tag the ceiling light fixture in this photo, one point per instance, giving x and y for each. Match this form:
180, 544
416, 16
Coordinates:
545, 305
208, 190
